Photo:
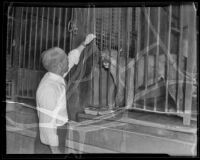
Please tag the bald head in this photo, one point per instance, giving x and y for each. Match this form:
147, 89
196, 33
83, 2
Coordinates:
52, 58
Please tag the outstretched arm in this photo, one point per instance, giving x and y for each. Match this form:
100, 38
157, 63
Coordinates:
74, 55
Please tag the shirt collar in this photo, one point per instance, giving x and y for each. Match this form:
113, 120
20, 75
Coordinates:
56, 77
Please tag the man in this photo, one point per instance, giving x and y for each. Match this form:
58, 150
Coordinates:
51, 98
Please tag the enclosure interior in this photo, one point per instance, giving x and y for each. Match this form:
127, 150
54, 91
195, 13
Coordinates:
149, 52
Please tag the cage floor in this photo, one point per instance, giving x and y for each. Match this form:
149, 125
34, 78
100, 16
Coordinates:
154, 118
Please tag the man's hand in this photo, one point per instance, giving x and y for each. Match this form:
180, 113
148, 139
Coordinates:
89, 38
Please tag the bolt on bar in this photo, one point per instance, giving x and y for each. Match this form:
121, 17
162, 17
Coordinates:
138, 20
167, 57
36, 31
147, 17
157, 57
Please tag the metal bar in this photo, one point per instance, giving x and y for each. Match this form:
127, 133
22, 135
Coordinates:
138, 18
24, 52
94, 31
30, 39
36, 31
11, 39
127, 77
191, 53
25, 37
100, 69
65, 28
118, 52
27, 79
147, 54
54, 13
20, 40
47, 31
7, 42
59, 27
157, 57
108, 73
71, 33
41, 36
179, 61
167, 59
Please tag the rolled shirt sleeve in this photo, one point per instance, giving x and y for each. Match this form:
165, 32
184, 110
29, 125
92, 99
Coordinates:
47, 99
73, 58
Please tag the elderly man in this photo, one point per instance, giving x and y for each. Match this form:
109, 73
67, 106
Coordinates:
51, 98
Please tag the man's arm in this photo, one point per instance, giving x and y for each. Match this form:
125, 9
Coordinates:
74, 54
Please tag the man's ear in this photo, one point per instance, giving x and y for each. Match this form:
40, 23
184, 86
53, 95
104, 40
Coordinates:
60, 66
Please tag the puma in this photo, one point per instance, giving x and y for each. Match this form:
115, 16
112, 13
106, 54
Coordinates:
112, 61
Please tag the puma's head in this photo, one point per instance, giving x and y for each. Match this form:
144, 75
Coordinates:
110, 58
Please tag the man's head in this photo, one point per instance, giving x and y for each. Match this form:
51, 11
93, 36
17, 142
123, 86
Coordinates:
55, 60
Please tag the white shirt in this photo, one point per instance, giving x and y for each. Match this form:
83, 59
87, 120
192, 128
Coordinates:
51, 103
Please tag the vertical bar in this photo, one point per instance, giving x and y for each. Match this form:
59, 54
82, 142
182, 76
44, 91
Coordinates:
8, 30
59, 27
47, 31
157, 57
118, 50
179, 62
94, 31
138, 18
11, 39
168, 54
30, 39
24, 53
65, 32
108, 73
36, 31
41, 37
27, 80
100, 69
146, 65
71, 33
191, 52
52, 42
128, 17
24, 59
20, 39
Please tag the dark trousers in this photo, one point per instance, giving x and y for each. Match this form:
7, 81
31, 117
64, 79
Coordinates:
62, 132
